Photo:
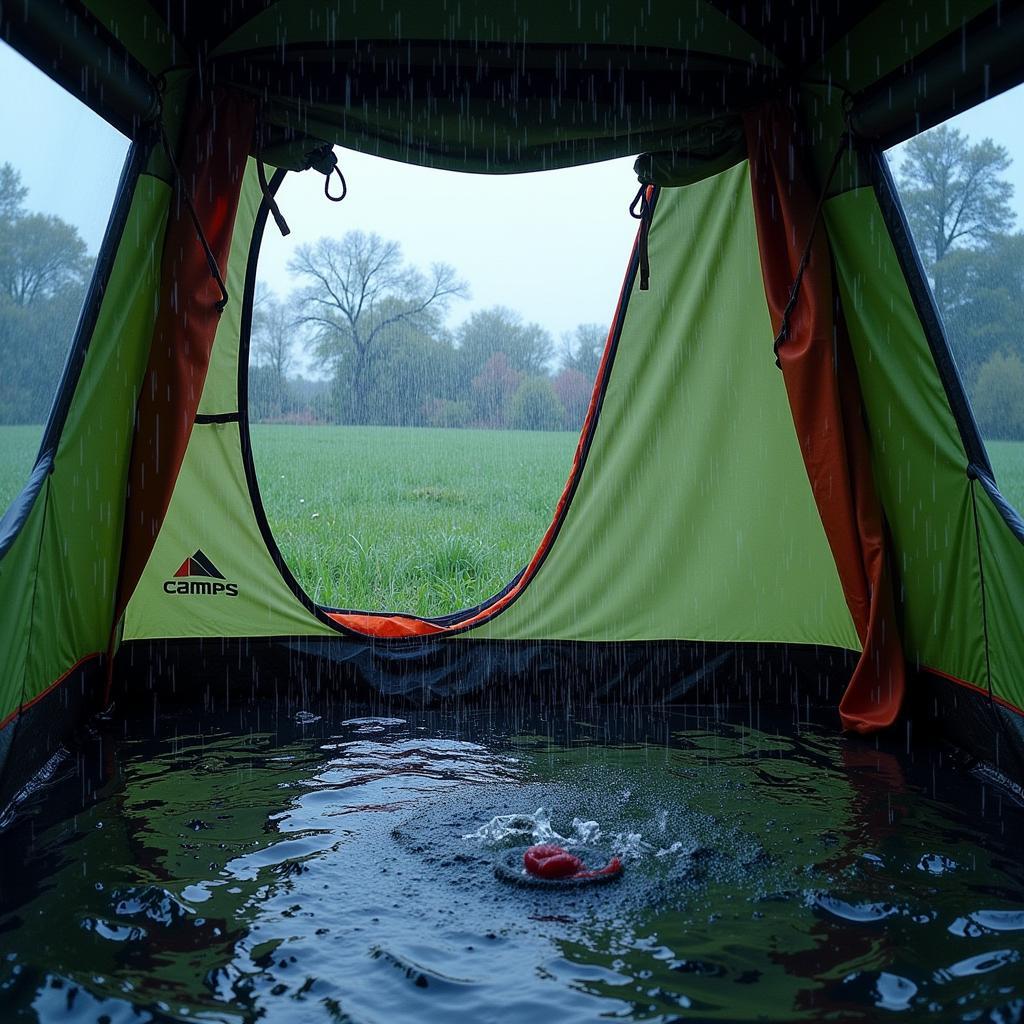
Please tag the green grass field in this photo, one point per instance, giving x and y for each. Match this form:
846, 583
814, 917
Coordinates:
388, 518
1007, 459
18, 447
406, 519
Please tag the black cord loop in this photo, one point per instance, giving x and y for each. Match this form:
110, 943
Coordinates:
640, 209
327, 185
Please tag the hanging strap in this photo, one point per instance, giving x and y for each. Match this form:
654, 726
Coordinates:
259, 144
794, 293
275, 210
211, 260
642, 210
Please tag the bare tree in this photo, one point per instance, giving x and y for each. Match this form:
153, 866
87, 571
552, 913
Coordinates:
273, 333
359, 287
273, 349
582, 349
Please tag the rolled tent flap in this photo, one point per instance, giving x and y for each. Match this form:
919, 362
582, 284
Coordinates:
824, 394
217, 135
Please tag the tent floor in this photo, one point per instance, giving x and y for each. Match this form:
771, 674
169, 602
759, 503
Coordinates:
312, 674
418, 673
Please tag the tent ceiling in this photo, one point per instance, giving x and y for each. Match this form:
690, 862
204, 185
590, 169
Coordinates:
527, 84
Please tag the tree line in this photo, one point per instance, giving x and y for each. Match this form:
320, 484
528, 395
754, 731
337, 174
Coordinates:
370, 326
957, 202
364, 336
373, 330
376, 335
44, 270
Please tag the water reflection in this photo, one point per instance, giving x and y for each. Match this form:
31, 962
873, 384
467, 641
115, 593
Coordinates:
344, 870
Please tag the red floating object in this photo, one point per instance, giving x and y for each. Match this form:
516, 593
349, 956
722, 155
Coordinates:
553, 862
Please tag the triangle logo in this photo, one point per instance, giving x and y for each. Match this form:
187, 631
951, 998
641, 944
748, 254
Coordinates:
197, 576
198, 565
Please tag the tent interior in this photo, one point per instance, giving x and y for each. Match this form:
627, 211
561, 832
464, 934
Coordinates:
779, 491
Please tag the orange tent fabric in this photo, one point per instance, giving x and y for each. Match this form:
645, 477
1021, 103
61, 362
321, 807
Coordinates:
824, 393
187, 317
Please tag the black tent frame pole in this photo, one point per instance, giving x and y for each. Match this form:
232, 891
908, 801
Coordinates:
927, 309
65, 41
18, 512
978, 465
963, 69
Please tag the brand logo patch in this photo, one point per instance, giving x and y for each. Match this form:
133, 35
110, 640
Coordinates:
211, 580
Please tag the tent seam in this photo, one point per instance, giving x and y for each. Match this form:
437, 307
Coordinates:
28, 645
984, 601
1000, 723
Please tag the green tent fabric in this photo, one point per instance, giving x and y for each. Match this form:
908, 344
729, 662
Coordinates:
689, 532
742, 560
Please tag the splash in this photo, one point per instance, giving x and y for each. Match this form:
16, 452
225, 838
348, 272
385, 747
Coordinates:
537, 830
525, 828
43, 778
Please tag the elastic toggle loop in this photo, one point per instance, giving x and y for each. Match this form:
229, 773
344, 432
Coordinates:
327, 185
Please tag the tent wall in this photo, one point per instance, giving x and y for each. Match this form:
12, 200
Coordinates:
210, 509
691, 543
211, 512
947, 534
692, 519
215, 135
59, 573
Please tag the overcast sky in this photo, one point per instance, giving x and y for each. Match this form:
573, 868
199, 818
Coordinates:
553, 245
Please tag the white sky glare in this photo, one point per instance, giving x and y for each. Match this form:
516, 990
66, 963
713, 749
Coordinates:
69, 158
552, 245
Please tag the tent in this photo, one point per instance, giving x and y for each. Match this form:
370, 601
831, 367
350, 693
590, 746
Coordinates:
779, 492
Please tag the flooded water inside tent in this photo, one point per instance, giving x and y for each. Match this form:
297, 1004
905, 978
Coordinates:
287, 867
